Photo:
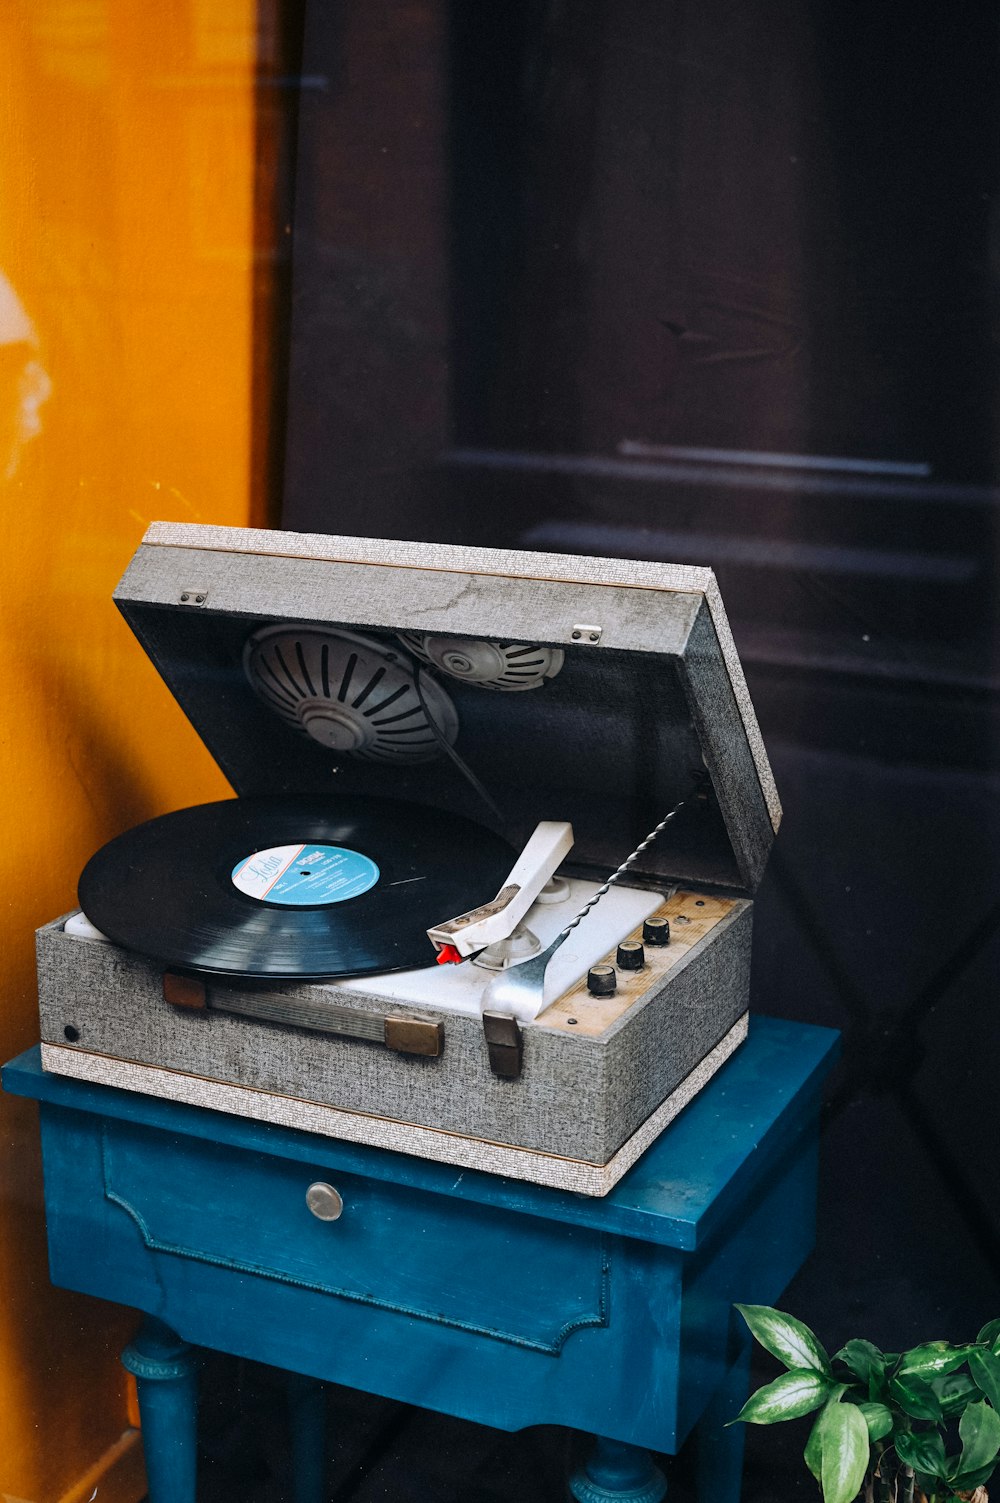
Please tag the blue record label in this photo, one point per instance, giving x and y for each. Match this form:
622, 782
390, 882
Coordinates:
303, 875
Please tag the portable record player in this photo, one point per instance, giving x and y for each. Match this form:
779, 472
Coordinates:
441, 754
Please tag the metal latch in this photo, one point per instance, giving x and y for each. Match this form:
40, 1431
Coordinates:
504, 1044
189, 992
414, 1036
193, 595
584, 633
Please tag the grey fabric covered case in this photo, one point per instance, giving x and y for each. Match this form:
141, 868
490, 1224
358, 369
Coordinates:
611, 742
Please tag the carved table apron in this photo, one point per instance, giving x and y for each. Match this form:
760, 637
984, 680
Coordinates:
496, 1301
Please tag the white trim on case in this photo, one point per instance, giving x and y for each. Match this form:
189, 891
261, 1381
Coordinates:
382, 1132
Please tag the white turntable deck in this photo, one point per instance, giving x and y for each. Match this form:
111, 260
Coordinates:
459, 988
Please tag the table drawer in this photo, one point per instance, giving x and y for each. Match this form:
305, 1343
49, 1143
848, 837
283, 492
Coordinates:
512, 1277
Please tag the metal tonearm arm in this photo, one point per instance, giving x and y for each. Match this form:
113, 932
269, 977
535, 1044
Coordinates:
460, 937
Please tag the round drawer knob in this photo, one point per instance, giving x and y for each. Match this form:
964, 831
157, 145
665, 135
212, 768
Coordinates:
324, 1201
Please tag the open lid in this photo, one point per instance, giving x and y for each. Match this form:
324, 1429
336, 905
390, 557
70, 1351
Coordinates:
311, 664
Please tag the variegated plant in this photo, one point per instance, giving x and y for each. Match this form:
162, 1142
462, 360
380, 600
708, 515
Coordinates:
893, 1427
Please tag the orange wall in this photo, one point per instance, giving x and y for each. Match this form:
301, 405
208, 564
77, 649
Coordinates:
126, 229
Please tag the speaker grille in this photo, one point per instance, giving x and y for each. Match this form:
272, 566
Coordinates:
352, 695
508, 666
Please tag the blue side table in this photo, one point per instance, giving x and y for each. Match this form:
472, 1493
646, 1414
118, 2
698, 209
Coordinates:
499, 1302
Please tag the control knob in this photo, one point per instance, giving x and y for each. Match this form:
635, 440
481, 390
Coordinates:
656, 931
631, 955
602, 981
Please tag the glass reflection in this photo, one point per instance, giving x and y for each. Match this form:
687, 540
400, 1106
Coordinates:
24, 382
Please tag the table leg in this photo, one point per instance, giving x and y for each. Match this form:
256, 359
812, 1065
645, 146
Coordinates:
618, 1473
165, 1370
307, 1419
718, 1450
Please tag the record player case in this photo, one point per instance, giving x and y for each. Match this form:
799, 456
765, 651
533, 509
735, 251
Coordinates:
648, 706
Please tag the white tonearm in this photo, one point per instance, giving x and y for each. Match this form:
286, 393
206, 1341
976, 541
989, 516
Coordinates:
471, 932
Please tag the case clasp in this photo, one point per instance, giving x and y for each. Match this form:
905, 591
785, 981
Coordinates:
414, 1036
189, 992
504, 1044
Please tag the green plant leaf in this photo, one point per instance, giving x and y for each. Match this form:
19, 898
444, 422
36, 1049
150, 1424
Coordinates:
923, 1450
878, 1419
953, 1390
931, 1358
989, 1335
813, 1453
793, 1394
785, 1338
915, 1398
985, 1369
979, 1430
967, 1482
844, 1452
865, 1361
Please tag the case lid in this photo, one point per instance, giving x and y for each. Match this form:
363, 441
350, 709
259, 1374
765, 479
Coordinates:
296, 658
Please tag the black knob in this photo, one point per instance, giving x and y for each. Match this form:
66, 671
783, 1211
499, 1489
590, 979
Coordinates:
602, 981
631, 955
656, 931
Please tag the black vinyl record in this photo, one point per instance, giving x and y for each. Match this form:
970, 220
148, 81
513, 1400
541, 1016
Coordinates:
291, 887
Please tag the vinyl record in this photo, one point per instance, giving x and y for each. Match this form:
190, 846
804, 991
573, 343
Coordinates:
291, 887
